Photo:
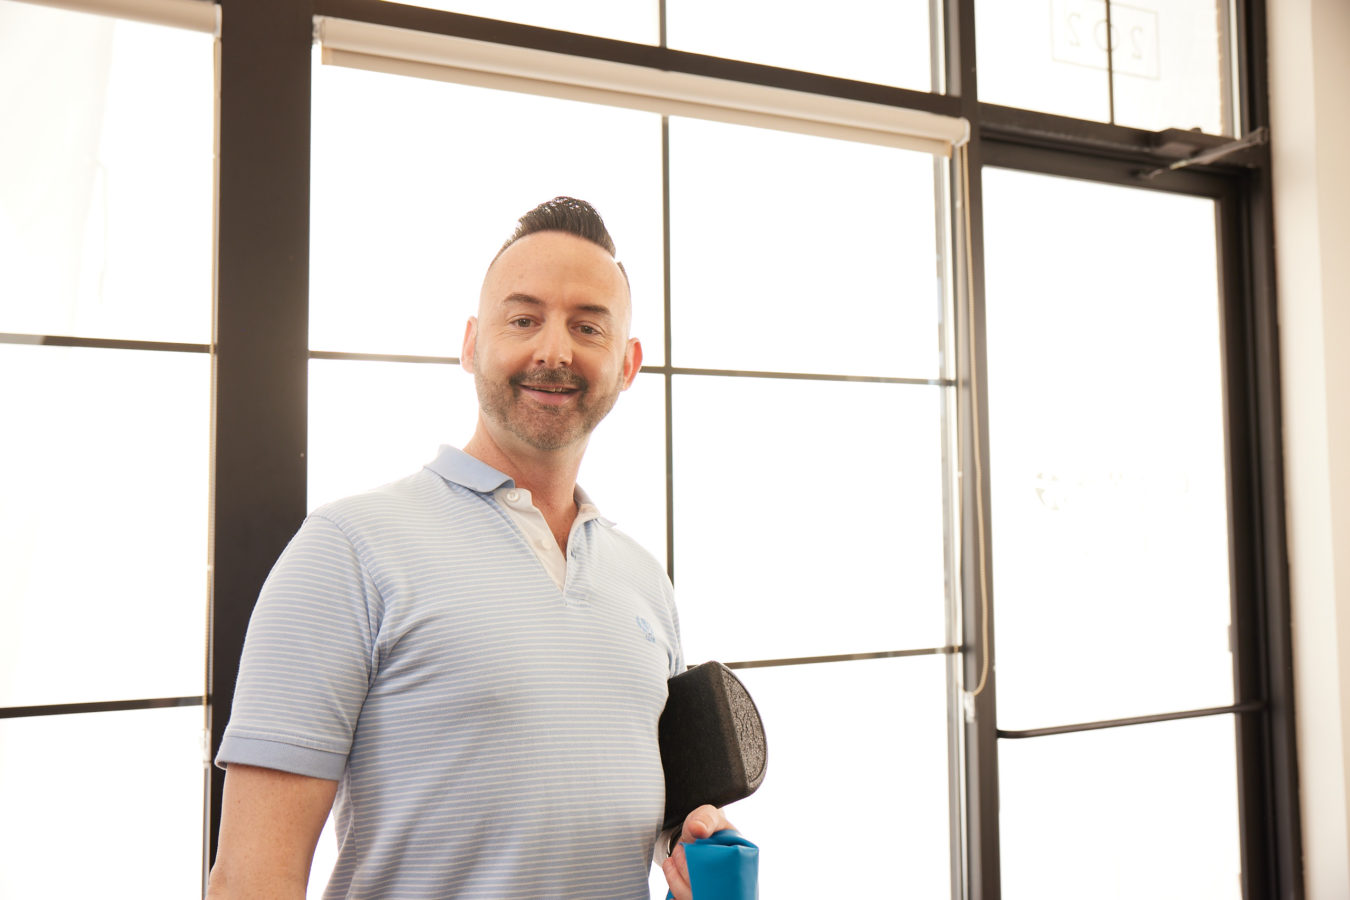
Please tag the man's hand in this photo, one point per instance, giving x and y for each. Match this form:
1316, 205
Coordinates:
702, 822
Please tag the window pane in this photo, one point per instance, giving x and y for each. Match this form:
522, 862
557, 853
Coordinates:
1146, 811
1166, 59
1106, 437
103, 512
862, 744
865, 40
793, 253
624, 471
417, 183
1170, 65
624, 20
375, 422
100, 804
808, 517
106, 201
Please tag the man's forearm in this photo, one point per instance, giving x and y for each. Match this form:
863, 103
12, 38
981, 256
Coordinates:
269, 824
253, 886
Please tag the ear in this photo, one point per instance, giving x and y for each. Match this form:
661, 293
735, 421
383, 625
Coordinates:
470, 344
632, 362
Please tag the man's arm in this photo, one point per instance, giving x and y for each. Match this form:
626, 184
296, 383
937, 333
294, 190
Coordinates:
269, 825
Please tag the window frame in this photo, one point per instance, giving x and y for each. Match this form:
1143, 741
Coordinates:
262, 280
260, 360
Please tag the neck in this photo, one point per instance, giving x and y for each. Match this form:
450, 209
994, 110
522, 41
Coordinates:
549, 475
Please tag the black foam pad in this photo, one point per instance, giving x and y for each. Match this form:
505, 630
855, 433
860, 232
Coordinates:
712, 741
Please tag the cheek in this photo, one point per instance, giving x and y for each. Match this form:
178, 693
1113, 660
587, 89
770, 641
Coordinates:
494, 357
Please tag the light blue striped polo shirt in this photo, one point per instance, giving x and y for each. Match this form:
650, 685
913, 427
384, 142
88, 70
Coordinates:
493, 736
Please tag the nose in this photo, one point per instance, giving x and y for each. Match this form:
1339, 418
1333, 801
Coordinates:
553, 346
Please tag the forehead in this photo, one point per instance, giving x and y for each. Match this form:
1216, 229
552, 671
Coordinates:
555, 267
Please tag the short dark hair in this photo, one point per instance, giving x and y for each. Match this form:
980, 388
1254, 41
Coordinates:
566, 214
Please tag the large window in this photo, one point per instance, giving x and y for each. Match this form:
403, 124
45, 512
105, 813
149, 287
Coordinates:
784, 379
105, 391
951, 449
1111, 545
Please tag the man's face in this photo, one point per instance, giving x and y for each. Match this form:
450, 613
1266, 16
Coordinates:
549, 349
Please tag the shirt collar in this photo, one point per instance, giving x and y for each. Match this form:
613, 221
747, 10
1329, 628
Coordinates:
456, 466
453, 464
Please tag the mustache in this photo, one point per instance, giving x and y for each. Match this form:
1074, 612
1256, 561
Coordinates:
549, 378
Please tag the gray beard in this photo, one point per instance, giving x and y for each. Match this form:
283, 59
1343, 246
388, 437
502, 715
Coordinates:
541, 427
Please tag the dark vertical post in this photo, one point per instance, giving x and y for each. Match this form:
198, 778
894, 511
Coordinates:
1280, 832
981, 874
1247, 630
261, 324
668, 377
1270, 738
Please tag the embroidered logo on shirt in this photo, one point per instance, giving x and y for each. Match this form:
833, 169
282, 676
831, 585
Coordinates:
646, 630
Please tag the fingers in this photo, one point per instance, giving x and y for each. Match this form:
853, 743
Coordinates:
676, 870
703, 822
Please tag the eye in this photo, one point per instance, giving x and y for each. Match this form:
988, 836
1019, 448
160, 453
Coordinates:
589, 330
520, 322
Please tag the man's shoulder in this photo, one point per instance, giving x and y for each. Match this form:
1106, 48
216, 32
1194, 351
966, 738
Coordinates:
421, 494
632, 555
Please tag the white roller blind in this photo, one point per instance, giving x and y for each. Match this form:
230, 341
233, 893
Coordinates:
399, 51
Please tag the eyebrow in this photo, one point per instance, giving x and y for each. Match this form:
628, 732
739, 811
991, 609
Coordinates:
598, 309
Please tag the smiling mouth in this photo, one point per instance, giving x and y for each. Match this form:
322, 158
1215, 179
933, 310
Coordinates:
550, 388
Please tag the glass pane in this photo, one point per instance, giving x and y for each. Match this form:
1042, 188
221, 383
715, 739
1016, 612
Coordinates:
409, 208
1169, 65
375, 422
865, 40
1106, 437
103, 514
624, 471
624, 20
1166, 60
862, 746
106, 202
104, 803
1146, 811
808, 517
793, 253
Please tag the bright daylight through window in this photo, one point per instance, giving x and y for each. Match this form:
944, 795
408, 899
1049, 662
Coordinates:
941, 386
105, 238
742, 202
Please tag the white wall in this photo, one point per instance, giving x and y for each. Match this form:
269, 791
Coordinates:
1310, 113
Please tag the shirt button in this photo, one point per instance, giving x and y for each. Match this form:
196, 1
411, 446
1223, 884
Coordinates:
543, 543
512, 496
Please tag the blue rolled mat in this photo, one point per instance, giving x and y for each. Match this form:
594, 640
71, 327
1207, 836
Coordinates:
723, 867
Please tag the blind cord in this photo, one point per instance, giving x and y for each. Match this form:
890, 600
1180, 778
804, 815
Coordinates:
976, 462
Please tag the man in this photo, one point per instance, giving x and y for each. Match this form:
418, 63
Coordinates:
470, 661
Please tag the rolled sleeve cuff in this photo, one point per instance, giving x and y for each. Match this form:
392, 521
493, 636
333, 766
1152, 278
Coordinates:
281, 756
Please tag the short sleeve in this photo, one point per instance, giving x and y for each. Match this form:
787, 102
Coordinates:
308, 658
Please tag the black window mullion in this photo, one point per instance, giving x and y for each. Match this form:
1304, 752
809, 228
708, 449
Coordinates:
976, 868
1262, 639
1268, 758
1251, 706
261, 324
977, 567
75, 709
64, 340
